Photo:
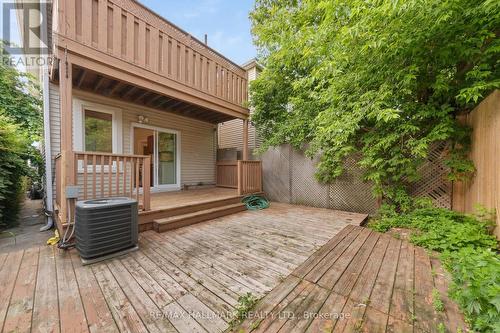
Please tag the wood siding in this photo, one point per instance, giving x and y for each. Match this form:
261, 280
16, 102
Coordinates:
148, 50
484, 187
230, 132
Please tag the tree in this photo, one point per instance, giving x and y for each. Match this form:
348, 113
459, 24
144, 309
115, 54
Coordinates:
383, 79
20, 126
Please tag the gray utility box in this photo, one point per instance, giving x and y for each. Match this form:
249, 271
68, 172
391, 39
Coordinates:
105, 226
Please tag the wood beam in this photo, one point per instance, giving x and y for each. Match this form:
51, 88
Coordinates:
129, 93
176, 104
100, 80
114, 88
155, 99
125, 88
142, 95
66, 115
81, 77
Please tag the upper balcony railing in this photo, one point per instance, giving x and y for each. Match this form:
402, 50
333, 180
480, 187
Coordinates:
128, 31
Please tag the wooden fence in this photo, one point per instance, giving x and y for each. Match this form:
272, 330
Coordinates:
484, 187
246, 176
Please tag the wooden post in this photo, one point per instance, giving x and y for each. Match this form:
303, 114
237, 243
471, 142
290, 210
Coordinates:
245, 140
66, 114
146, 183
239, 166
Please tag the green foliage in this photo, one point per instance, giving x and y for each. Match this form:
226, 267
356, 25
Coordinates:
468, 252
437, 302
20, 126
381, 78
20, 101
246, 303
439, 229
12, 170
476, 286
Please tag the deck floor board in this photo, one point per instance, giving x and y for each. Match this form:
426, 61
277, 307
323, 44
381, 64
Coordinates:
359, 281
303, 261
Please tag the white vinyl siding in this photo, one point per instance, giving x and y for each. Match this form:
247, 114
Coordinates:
197, 137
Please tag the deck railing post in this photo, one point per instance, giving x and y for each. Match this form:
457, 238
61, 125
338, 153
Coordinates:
245, 140
240, 177
146, 183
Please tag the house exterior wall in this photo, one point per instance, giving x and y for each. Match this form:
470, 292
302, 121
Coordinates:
197, 138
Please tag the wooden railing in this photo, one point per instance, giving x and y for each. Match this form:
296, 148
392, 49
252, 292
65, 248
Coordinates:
249, 177
100, 175
58, 175
227, 174
246, 176
126, 30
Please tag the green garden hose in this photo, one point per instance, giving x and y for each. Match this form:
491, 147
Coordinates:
255, 202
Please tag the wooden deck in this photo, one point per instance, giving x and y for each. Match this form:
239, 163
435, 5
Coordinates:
167, 200
187, 280
360, 281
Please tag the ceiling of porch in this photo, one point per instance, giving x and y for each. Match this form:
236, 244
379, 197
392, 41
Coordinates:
90, 81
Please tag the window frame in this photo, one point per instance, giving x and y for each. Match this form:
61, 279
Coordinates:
79, 107
84, 116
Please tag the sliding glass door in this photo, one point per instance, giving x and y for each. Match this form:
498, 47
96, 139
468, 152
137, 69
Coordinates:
162, 145
166, 158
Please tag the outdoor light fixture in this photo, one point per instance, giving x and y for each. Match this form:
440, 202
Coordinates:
143, 120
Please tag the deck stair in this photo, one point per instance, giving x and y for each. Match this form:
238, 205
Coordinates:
198, 214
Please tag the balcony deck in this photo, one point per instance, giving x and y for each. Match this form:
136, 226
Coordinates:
127, 51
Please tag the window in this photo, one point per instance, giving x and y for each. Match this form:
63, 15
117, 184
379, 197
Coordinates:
98, 131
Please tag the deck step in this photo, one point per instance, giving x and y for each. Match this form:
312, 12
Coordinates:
178, 221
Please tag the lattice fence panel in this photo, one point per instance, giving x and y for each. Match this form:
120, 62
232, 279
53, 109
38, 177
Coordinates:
350, 193
433, 183
305, 189
289, 177
276, 173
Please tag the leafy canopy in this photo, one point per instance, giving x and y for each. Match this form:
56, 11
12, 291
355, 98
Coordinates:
381, 78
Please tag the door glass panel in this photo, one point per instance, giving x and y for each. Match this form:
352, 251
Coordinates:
167, 156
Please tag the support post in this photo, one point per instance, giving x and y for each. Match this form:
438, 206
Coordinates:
239, 166
66, 114
146, 184
245, 140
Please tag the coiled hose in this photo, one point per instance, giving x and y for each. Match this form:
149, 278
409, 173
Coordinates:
255, 202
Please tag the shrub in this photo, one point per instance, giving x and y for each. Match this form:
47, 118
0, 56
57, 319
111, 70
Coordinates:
476, 286
439, 229
12, 170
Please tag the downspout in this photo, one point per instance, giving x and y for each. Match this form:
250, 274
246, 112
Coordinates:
46, 127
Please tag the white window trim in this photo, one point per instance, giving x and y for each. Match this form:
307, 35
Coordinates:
79, 107
155, 187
